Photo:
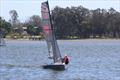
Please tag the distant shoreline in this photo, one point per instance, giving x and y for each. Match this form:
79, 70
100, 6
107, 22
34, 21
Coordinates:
63, 39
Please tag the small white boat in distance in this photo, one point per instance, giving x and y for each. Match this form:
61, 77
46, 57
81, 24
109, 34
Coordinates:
2, 41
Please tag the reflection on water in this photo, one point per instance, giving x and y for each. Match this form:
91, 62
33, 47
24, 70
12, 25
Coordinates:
89, 60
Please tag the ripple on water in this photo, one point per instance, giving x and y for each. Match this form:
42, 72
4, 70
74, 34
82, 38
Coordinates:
89, 60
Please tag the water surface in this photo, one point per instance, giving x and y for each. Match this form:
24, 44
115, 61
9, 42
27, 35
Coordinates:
89, 60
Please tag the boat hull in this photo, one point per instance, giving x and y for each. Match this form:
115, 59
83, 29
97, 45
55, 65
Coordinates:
54, 66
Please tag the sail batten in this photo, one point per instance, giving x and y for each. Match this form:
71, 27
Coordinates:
49, 33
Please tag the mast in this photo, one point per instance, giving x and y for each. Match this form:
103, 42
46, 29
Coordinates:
54, 39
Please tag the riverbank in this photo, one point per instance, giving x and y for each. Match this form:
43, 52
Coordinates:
108, 39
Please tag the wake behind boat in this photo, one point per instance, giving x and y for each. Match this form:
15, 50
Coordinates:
53, 49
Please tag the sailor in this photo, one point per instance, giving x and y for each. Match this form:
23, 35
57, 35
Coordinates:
65, 59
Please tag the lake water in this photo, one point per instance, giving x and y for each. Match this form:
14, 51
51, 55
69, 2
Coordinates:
89, 60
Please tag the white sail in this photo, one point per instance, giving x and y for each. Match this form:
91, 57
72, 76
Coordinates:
49, 33
2, 41
50, 50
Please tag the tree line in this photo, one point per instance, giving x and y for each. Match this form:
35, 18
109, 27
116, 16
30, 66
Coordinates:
69, 23
13, 27
80, 22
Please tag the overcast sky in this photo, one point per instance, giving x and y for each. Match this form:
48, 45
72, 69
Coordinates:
27, 8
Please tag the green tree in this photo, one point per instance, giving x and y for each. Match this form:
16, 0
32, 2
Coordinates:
5, 27
33, 25
14, 18
84, 23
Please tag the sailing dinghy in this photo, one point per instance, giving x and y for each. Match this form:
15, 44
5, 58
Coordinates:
2, 41
53, 49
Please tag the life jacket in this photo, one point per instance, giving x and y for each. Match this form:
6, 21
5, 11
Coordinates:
66, 60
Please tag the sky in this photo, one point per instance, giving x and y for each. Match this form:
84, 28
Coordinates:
27, 8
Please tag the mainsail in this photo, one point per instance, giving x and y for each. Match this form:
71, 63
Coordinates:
49, 33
